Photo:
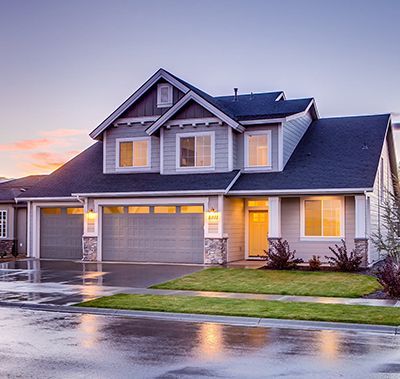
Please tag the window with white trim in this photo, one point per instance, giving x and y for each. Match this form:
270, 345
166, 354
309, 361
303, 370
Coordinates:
195, 150
133, 153
258, 149
323, 217
3, 224
164, 95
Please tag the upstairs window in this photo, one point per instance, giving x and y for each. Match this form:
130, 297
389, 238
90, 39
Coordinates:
323, 217
133, 153
164, 95
258, 149
195, 150
3, 224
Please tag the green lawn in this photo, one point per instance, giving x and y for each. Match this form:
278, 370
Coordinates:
301, 283
251, 308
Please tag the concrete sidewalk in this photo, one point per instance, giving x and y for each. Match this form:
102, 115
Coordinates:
288, 298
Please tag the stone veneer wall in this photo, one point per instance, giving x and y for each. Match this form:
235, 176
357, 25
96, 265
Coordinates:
89, 249
6, 246
215, 251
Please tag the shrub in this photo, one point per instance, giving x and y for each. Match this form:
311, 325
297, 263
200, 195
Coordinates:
280, 257
389, 278
314, 263
343, 260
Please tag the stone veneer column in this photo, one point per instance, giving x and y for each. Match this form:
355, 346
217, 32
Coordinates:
89, 249
361, 246
215, 251
6, 246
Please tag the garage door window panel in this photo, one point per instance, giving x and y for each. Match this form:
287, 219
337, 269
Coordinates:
114, 210
165, 209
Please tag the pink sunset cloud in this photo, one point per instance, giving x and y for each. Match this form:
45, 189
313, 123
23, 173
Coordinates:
25, 145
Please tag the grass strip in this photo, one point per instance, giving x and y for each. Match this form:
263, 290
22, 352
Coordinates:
300, 283
251, 308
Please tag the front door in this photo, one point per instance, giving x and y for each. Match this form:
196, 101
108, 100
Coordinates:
258, 233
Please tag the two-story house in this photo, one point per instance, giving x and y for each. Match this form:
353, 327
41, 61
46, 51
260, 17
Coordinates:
177, 175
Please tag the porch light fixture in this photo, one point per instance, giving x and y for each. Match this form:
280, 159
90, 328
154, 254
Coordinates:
91, 215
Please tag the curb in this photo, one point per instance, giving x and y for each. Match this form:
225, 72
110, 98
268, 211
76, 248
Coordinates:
224, 320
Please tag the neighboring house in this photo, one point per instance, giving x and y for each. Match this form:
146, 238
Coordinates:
13, 215
177, 175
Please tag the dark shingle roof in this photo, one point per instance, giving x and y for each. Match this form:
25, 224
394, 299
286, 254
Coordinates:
334, 153
84, 174
14, 188
252, 107
261, 107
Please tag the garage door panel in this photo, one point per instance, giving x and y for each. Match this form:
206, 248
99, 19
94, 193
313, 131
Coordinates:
60, 234
153, 237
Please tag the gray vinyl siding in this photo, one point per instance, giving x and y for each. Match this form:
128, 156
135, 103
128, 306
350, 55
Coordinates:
293, 131
109, 142
234, 227
375, 203
10, 220
220, 153
147, 104
290, 208
274, 145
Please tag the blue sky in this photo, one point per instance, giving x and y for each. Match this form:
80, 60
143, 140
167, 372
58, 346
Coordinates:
65, 65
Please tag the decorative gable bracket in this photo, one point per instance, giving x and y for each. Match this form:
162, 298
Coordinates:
204, 103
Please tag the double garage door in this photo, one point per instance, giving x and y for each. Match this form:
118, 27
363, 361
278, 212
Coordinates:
166, 233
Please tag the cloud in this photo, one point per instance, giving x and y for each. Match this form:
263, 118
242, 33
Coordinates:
45, 162
25, 145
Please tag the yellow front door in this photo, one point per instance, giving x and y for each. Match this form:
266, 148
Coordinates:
258, 233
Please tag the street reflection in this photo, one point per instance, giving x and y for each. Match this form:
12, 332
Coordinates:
328, 344
210, 337
89, 328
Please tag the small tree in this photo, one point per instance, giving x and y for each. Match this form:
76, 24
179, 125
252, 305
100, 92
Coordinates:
387, 238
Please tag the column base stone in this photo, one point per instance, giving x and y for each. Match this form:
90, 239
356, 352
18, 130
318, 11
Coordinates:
361, 246
89, 249
6, 247
215, 251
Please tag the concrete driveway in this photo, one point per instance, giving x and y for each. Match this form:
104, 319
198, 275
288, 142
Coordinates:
66, 282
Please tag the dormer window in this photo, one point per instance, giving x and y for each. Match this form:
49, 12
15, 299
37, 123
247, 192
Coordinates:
164, 95
133, 153
258, 149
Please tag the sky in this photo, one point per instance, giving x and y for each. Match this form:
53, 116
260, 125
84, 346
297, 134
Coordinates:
66, 65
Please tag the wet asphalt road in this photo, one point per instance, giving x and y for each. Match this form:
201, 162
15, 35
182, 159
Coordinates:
43, 345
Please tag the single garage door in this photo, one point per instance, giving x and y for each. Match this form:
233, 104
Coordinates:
61, 232
153, 233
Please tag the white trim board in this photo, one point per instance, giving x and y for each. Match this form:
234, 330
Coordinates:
204, 103
160, 74
151, 194
300, 192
